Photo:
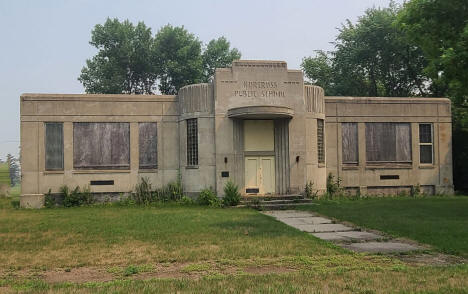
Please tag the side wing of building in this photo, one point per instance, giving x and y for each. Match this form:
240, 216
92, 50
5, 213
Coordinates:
390, 145
106, 141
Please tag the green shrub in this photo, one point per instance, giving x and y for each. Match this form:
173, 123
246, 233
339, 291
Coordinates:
125, 200
333, 186
309, 191
49, 200
143, 193
15, 204
76, 197
232, 196
416, 191
208, 197
186, 200
131, 270
86, 196
174, 191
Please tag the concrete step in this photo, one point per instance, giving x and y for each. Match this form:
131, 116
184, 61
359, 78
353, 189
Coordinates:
276, 206
272, 197
279, 201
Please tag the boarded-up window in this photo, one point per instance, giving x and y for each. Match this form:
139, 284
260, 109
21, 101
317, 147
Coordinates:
101, 145
388, 142
192, 142
54, 146
320, 141
425, 143
349, 135
148, 145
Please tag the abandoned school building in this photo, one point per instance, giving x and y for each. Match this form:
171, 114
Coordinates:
256, 124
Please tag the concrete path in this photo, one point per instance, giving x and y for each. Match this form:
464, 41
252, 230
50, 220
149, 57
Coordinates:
344, 236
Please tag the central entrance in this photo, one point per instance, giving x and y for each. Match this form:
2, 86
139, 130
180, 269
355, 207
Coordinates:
259, 153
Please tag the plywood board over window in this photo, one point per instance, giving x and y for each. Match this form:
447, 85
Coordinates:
388, 142
349, 134
101, 145
54, 146
148, 145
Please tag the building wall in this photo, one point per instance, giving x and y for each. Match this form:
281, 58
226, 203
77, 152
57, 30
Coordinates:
197, 101
36, 109
366, 177
237, 88
247, 90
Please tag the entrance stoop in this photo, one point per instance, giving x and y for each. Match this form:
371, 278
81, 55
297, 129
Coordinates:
275, 202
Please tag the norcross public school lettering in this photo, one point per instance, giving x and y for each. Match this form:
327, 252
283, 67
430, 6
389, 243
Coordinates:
259, 89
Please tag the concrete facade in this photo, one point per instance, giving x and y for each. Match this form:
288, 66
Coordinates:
391, 177
249, 90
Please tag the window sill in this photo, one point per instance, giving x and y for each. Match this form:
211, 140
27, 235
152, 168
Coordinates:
321, 165
149, 170
102, 171
350, 167
428, 166
191, 167
389, 166
53, 172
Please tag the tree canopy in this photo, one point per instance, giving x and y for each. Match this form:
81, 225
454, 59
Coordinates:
371, 58
440, 29
131, 60
218, 54
124, 62
14, 169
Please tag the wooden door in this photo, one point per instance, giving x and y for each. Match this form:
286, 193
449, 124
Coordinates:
260, 175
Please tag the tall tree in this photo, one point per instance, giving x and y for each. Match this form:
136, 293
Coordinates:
130, 60
371, 58
124, 62
178, 58
13, 169
320, 71
440, 28
218, 54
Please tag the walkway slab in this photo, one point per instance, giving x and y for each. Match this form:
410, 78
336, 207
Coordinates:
348, 236
323, 228
314, 220
295, 221
288, 213
381, 247
330, 236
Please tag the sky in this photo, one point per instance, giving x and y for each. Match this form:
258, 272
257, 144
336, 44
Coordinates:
44, 44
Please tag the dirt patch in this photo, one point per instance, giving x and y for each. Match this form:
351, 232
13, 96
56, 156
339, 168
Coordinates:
162, 275
161, 271
267, 270
6, 290
77, 275
432, 259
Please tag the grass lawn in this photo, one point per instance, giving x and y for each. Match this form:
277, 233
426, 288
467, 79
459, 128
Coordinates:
172, 248
439, 221
4, 174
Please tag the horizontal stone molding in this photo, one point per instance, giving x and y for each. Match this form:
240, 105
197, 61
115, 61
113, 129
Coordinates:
264, 112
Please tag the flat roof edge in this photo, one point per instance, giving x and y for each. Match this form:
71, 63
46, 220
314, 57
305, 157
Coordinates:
386, 99
104, 97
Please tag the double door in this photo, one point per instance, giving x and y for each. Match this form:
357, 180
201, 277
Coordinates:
260, 175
